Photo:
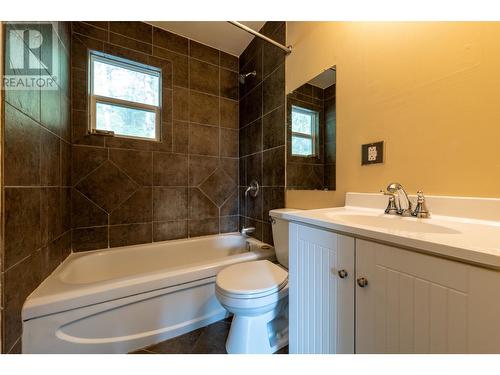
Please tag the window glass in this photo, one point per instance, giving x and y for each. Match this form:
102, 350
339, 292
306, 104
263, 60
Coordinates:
304, 129
126, 121
125, 97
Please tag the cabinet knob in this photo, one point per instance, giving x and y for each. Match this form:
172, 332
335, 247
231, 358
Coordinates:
362, 282
342, 274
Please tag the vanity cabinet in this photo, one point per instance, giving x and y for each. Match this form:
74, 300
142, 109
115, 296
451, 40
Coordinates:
405, 301
321, 291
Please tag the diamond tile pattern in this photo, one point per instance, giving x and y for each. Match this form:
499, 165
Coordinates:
218, 187
107, 186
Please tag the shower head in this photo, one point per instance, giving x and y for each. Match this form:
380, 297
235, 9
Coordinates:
243, 77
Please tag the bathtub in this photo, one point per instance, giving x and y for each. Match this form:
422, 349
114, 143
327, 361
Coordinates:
119, 300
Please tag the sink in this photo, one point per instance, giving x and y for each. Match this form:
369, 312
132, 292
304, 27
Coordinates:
387, 222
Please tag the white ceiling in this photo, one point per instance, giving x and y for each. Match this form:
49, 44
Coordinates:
217, 34
325, 79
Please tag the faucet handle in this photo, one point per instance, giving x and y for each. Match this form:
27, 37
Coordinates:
421, 210
391, 208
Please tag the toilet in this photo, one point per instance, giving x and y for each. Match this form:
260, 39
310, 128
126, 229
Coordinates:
256, 293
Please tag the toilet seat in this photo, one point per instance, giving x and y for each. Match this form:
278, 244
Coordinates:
250, 280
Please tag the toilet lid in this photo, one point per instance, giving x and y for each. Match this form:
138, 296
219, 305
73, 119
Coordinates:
252, 277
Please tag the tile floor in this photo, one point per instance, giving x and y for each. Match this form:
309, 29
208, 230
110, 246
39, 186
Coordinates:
207, 340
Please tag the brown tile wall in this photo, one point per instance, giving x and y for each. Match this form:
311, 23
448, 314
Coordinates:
262, 129
313, 172
133, 191
36, 189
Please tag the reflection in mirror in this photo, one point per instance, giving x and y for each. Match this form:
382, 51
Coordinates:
311, 123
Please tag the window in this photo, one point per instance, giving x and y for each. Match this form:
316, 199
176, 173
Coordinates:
304, 131
125, 97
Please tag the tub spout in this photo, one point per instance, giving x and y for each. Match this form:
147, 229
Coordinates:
246, 231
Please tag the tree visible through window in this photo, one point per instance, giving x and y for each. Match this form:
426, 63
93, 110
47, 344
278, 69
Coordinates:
125, 97
304, 130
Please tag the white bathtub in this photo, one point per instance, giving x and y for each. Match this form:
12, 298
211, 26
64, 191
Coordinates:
123, 299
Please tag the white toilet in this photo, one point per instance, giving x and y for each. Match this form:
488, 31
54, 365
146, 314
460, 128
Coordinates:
257, 294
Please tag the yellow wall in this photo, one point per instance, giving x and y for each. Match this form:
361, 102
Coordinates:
430, 90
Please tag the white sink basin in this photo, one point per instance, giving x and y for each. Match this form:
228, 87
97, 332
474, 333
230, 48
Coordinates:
388, 222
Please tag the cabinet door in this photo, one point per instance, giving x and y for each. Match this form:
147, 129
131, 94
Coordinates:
321, 302
413, 303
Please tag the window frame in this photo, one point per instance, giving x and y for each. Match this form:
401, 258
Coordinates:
95, 99
314, 132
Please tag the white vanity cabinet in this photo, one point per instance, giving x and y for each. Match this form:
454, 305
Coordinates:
321, 292
405, 301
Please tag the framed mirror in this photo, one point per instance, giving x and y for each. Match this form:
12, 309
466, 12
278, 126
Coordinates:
311, 133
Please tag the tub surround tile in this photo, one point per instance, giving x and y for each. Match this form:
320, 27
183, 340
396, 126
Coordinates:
203, 227
136, 164
19, 282
200, 205
228, 61
136, 209
85, 213
22, 224
179, 65
218, 187
201, 167
203, 52
85, 160
133, 44
130, 234
203, 140
136, 30
229, 224
230, 206
107, 186
262, 130
170, 41
111, 174
204, 77
203, 108
170, 169
84, 239
229, 86
37, 198
170, 230
170, 203
180, 141
50, 158
22, 149
228, 113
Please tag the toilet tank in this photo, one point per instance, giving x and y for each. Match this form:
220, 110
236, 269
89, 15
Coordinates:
280, 234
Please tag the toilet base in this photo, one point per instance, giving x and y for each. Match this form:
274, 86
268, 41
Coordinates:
261, 334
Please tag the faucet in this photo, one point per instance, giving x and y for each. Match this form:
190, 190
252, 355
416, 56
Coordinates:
401, 200
246, 231
400, 204
252, 189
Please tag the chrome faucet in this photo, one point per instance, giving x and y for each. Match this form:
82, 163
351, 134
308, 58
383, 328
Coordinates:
252, 189
400, 204
246, 231
401, 200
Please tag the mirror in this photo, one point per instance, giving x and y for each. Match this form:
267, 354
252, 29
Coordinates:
311, 128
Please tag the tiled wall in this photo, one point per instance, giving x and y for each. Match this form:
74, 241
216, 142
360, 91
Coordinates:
134, 191
36, 189
313, 172
262, 129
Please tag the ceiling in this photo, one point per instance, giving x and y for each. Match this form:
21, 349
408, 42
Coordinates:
325, 79
217, 34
